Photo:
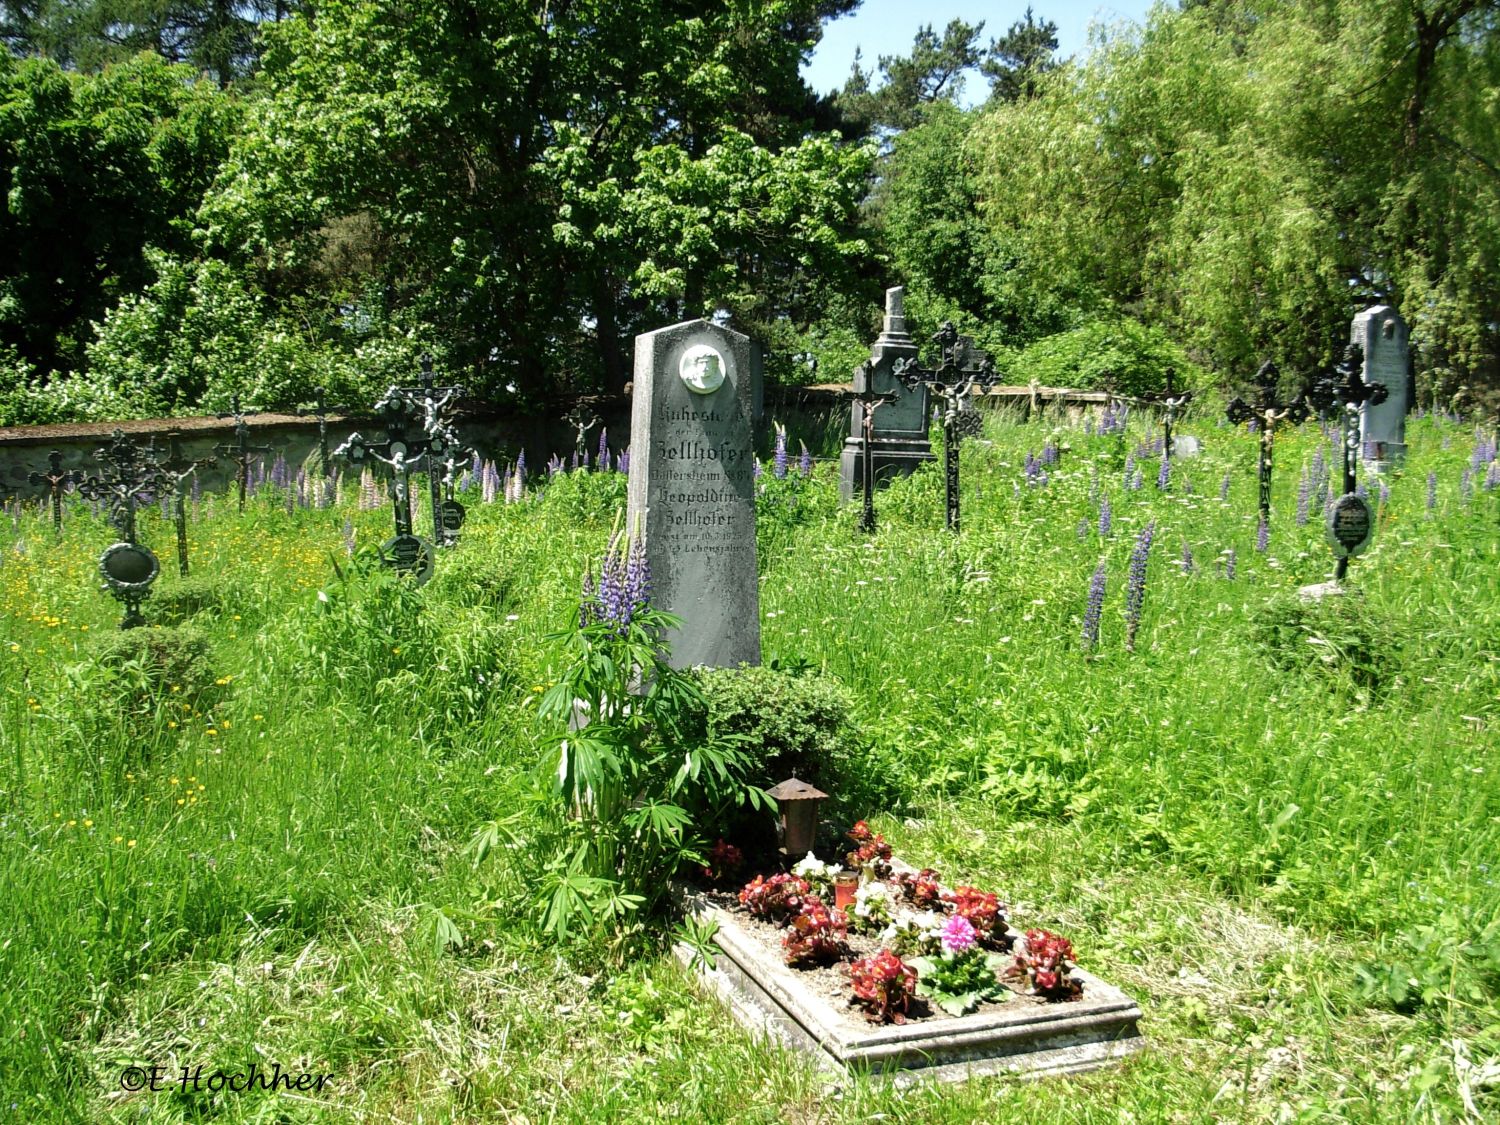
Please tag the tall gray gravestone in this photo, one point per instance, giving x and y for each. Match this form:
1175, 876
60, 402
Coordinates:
1382, 426
692, 487
900, 441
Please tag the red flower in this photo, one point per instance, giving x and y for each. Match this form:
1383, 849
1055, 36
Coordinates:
921, 889
815, 935
884, 985
982, 909
723, 861
776, 899
1046, 962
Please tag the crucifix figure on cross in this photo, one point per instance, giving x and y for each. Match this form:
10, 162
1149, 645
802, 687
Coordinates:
959, 373
582, 419
57, 481
176, 468
1268, 412
869, 401
444, 447
129, 478
241, 452
1346, 388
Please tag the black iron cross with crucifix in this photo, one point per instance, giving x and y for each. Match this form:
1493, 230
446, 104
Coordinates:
1268, 412
57, 481
320, 409
241, 452
177, 469
582, 419
128, 568
954, 381
443, 446
869, 400
1346, 387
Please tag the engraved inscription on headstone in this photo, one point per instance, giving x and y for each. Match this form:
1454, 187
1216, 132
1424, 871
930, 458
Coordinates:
692, 487
408, 554
1382, 426
453, 515
1351, 526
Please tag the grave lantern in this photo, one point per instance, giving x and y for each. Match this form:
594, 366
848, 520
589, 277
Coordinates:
798, 802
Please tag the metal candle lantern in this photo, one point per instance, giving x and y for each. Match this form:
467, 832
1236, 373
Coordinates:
798, 802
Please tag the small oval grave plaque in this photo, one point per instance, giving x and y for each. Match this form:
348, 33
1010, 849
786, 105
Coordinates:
407, 554
453, 515
1351, 526
129, 567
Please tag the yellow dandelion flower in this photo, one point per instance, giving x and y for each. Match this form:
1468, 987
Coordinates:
211, 731
257, 718
175, 781
119, 839
180, 801
72, 824
88, 823
130, 843
171, 724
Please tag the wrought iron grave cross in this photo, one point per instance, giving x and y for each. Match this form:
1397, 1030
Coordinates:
177, 469
1351, 523
582, 419
57, 481
241, 452
869, 401
954, 382
443, 447
320, 410
1268, 412
128, 567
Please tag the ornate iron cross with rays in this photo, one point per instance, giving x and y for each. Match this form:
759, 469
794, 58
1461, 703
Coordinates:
177, 468
129, 478
1346, 387
57, 481
241, 452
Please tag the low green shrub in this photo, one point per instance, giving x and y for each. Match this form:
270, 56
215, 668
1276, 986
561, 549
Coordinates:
173, 601
1118, 354
792, 722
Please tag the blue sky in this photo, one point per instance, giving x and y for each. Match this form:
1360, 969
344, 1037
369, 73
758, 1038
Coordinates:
886, 27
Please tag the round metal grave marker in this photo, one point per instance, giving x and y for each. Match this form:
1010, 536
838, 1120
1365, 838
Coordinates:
128, 570
408, 554
453, 515
1351, 526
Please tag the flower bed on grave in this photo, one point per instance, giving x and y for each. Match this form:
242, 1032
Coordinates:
896, 971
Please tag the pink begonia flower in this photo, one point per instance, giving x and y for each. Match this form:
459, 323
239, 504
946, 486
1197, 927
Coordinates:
957, 935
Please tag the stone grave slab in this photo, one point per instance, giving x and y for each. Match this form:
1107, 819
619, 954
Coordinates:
1382, 426
1023, 1036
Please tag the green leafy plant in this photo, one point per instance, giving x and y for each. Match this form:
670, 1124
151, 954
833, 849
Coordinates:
958, 982
791, 722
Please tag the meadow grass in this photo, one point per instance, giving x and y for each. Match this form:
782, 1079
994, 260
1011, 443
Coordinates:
1274, 829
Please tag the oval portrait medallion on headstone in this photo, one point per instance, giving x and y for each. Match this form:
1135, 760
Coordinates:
702, 369
1351, 525
453, 515
407, 554
129, 568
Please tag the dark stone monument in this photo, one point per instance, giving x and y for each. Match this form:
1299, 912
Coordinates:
692, 487
898, 443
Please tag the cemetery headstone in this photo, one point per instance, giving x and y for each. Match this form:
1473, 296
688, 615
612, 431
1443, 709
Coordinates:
1383, 335
692, 487
898, 440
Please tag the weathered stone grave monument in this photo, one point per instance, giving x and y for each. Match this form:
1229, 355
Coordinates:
692, 487
898, 440
1382, 334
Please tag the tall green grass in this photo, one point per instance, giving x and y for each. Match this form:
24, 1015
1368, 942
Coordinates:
1262, 823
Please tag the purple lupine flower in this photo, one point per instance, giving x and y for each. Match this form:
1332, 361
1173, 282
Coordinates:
1224, 487
637, 577
1492, 477
1135, 583
1164, 474
1049, 454
302, 488
779, 459
1263, 536
197, 489
166, 507
1304, 497
574, 466
521, 469
1431, 491
1385, 491
554, 465
349, 542
1095, 608
756, 470
603, 449
1129, 468
622, 463
1186, 562
1105, 518
1083, 528
1042, 479
804, 462
1137, 481
1253, 426
1229, 561
280, 473
1361, 491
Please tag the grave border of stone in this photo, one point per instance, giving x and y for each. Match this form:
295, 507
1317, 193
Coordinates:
767, 998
